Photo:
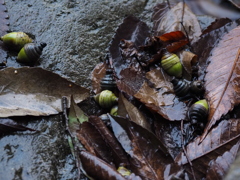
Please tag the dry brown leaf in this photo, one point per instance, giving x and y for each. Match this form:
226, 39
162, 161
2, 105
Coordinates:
222, 80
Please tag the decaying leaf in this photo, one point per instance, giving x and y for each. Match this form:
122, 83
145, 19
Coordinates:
96, 76
218, 167
222, 80
219, 141
187, 59
35, 91
9, 125
131, 29
163, 102
175, 40
166, 21
97, 168
127, 108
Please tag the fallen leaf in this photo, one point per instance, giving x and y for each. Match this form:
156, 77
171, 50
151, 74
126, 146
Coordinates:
145, 146
209, 41
97, 168
187, 59
131, 29
218, 167
218, 23
35, 91
96, 76
174, 40
222, 78
9, 125
127, 108
218, 141
117, 152
167, 21
163, 102
93, 142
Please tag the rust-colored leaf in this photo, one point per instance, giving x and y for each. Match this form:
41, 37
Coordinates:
96, 76
170, 20
35, 91
219, 141
223, 78
97, 168
174, 40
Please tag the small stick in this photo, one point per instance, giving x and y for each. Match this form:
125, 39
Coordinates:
185, 152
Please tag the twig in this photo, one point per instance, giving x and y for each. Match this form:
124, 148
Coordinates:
185, 152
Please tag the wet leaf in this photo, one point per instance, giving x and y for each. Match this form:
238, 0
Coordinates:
218, 168
127, 108
166, 21
3, 30
9, 125
145, 146
163, 102
35, 91
97, 168
131, 29
187, 59
223, 84
119, 155
218, 23
219, 141
175, 40
209, 41
96, 76
159, 79
93, 142
76, 117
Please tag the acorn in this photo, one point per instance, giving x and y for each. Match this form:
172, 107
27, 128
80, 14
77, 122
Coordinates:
114, 110
30, 53
108, 82
198, 112
171, 64
16, 40
106, 99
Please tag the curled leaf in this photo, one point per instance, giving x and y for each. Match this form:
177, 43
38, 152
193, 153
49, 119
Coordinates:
96, 76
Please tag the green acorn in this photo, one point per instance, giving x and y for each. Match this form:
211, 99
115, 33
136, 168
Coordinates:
16, 40
106, 99
171, 64
30, 53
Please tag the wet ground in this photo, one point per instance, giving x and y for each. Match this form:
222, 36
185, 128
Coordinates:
77, 33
